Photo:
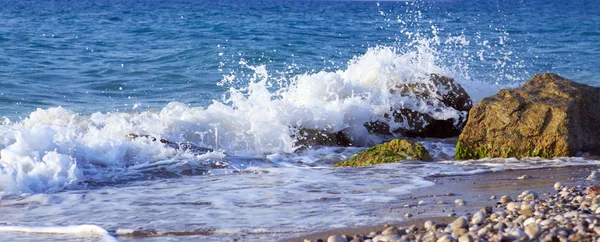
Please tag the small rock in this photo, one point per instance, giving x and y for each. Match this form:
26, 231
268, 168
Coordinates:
505, 199
445, 238
523, 177
487, 210
336, 238
594, 175
386, 238
478, 218
390, 231
500, 226
512, 206
517, 233
460, 222
466, 238
408, 215
493, 197
428, 225
558, 186
459, 202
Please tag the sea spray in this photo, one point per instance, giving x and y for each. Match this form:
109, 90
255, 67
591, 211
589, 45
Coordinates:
252, 121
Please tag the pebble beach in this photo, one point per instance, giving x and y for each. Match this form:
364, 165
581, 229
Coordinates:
557, 204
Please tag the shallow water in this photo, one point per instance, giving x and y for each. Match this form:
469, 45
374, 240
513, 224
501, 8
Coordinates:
241, 78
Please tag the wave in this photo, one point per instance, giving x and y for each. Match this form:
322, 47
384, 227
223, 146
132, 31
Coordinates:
56, 148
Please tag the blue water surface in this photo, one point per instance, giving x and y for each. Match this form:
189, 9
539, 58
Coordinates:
107, 56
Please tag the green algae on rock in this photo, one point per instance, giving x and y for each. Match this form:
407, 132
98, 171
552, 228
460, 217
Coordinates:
549, 116
390, 152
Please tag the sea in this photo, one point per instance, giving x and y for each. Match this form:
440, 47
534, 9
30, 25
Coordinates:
177, 120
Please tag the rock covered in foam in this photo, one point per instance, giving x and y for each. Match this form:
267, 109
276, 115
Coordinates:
393, 151
438, 91
310, 138
549, 116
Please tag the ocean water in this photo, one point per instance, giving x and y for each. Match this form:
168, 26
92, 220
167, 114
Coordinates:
78, 78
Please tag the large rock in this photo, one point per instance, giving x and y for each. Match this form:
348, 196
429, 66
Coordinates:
549, 116
437, 91
393, 151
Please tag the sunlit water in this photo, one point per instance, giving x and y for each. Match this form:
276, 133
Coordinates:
241, 78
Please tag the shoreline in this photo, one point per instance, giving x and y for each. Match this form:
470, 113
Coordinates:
437, 203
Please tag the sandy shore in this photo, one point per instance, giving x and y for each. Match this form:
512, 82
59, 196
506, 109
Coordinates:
438, 202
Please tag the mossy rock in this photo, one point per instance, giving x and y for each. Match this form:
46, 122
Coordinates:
549, 116
390, 152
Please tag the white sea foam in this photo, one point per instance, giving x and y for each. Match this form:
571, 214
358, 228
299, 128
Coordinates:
55, 148
81, 230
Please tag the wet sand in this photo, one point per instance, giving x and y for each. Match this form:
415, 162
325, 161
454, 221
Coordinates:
438, 201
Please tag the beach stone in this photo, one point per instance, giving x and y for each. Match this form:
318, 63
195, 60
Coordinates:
512, 206
558, 186
483, 231
526, 211
517, 233
459, 232
428, 225
386, 238
487, 210
441, 92
460, 222
336, 238
505, 199
429, 237
527, 193
549, 116
529, 221
478, 218
445, 238
389, 152
595, 175
459, 202
466, 238
501, 226
533, 230
390, 231
523, 177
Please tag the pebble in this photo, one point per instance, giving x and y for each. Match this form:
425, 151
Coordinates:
569, 214
428, 225
445, 238
466, 238
408, 215
459, 202
558, 186
336, 238
505, 199
478, 218
390, 231
386, 238
533, 230
594, 175
523, 177
460, 222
